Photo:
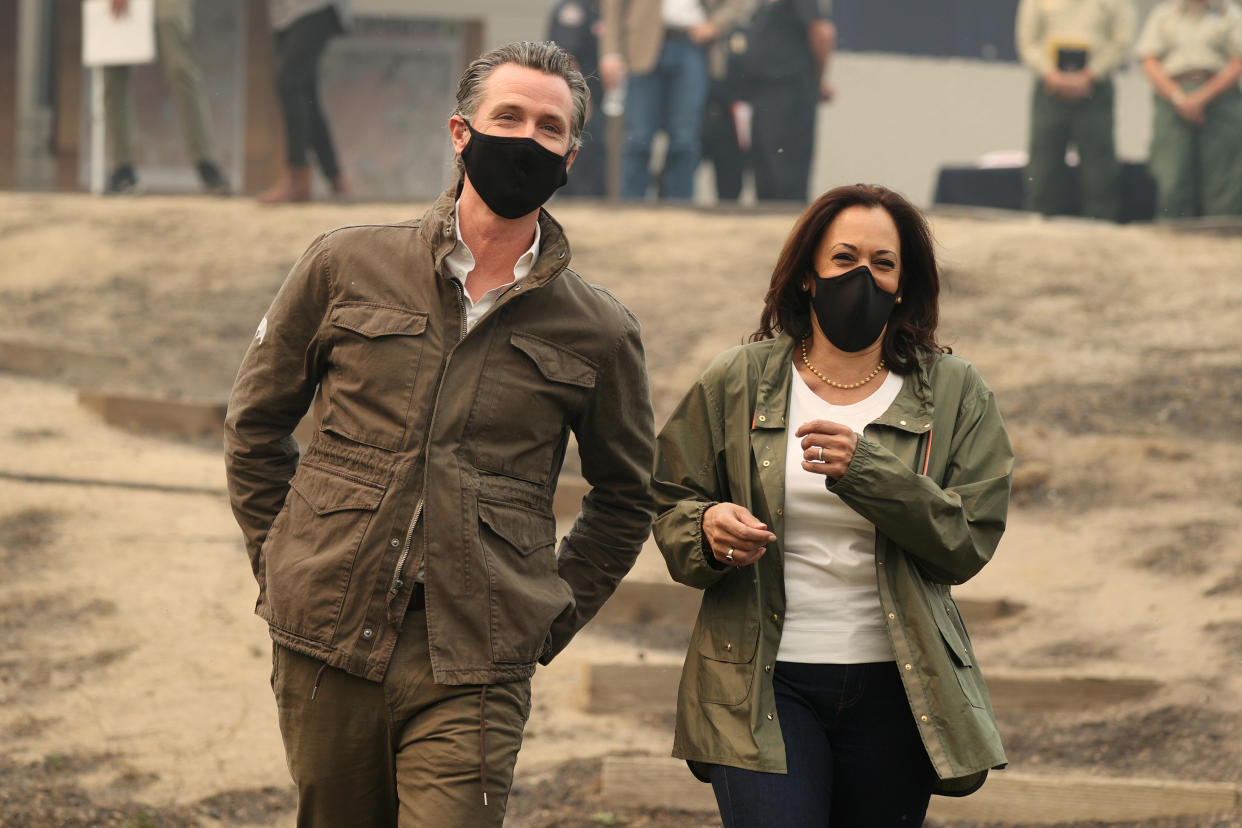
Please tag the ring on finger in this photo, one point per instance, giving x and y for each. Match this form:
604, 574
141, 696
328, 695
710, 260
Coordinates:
729, 555
821, 453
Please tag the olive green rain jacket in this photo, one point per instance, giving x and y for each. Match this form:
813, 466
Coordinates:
932, 474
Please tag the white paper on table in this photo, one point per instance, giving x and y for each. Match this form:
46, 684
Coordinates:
115, 41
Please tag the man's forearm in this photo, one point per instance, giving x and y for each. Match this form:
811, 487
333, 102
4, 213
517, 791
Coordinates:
822, 37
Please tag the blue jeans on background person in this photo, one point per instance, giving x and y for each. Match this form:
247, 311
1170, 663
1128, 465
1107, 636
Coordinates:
853, 752
670, 97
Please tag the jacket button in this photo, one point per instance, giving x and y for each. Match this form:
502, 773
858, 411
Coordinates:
909, 666
395, 542
367, 633
780, 512
728, 647
763, 418
767, 668
891, 616
775, 617
922, 718
769, 717
903, 422
767, 463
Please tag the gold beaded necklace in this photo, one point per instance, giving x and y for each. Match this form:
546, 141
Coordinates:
842, 386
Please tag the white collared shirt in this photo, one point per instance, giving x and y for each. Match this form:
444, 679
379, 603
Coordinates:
460, 262
682, 14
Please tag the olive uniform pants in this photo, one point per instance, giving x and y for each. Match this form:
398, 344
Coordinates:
174, 28
404, 752
1088, 124
1198, 169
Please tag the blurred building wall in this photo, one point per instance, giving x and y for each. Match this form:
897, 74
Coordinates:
896, 120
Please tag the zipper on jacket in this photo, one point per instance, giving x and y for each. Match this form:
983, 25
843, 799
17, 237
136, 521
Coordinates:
397, 583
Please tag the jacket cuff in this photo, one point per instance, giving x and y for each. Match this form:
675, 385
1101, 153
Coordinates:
705, 548
863, 453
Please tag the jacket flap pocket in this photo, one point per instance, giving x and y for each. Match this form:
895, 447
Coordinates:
327, 491
556, 363
524, 529
953, 642
373, 320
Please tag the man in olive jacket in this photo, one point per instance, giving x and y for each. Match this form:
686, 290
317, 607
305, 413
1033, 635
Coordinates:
407, 566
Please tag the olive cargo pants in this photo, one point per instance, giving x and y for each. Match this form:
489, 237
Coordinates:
1198, 169
405, 752
1088, 124
174, 28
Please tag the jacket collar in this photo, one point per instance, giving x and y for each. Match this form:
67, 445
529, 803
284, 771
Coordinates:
440, 235
911, 411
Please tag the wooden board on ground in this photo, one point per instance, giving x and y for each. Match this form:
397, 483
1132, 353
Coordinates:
646, 688
660, 782
37, 359
1009, 796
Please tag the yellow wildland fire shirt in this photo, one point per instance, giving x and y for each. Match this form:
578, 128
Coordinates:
1101, 28
1186, 39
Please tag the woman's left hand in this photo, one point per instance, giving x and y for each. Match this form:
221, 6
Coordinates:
827, 447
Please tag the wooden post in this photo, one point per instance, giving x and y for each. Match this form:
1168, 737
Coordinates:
264, 128
68, 114
471, 41
8, 94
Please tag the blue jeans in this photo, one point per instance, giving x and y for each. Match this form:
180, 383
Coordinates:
853, 753
669, 97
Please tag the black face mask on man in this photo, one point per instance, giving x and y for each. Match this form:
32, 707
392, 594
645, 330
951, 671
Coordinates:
851, 308
513, 176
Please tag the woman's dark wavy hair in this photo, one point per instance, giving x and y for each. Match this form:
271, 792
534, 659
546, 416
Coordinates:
912, 325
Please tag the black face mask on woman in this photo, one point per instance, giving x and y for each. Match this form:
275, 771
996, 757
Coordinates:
851, 308
513, 176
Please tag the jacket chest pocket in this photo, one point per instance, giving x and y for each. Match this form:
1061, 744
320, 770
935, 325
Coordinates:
375, 357
530, 390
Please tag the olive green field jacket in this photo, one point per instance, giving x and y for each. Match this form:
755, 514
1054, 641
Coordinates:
932, 474
437, 446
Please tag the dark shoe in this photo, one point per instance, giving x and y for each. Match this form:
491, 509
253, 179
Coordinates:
122, 181
213, 180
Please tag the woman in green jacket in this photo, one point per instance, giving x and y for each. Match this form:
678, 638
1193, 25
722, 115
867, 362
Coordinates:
825, 485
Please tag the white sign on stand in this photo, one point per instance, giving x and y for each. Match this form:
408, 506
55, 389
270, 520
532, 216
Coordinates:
117, 41
108, 40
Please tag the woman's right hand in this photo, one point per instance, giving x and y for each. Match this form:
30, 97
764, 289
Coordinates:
736, 537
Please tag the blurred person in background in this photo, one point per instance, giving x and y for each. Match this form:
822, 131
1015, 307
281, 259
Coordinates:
726, 119
1192, 54
662, 51
1074, 49
407, 562
574, 26
791, 42
302, 29
826, 485
174, 44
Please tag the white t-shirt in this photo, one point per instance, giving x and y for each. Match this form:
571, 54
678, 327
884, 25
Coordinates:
832, 603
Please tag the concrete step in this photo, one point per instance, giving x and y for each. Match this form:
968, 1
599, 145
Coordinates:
642, 600
1007, 797
645, 688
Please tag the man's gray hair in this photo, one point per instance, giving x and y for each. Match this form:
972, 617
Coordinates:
544, 57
